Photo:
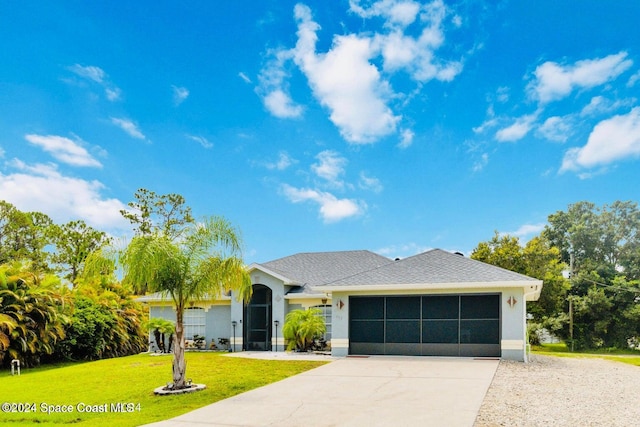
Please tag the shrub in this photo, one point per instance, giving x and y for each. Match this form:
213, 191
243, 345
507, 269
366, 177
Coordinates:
301, 327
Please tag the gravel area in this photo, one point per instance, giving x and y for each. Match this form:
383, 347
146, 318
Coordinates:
555, 391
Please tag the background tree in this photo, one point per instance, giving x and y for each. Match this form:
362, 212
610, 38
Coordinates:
158, 214
74, 241
23, 236
592, 238
601, 246
537, 259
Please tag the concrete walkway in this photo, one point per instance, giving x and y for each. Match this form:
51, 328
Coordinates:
353, 391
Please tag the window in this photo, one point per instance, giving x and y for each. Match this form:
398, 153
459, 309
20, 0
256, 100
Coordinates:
194, 322
326, 315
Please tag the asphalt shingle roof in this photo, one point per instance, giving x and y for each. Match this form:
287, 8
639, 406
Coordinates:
317, 268
434, 266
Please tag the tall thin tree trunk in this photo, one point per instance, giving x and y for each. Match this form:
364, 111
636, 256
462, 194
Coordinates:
159, 339
179, 363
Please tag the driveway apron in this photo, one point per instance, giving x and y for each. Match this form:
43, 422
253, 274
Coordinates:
360, 391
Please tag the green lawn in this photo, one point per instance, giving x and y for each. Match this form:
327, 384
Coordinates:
629, 356
131, 380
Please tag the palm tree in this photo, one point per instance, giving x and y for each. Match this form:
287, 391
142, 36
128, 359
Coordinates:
31, 313
161, 328
301, 327
204, 263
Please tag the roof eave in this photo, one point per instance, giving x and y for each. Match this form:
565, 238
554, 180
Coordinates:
286, 280
529, 286
297, 296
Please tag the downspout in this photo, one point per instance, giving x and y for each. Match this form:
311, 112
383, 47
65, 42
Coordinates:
527, 347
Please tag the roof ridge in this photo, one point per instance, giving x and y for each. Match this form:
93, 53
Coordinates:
321, 252
391, 261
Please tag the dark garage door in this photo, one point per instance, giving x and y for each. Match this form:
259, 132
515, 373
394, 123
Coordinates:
428, 325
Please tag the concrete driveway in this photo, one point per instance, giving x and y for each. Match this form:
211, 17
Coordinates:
355, 391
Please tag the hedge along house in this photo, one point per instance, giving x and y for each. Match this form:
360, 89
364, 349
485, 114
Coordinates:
432, 304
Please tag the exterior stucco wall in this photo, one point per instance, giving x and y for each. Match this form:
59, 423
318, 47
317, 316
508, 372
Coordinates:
217, 324
278, 313
216, 319
513, 336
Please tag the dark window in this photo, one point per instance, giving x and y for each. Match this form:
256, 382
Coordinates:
440, 331
261, 295
440, 307
479, 306
367, 331
367, 308
403, 331
480, 331
403, 308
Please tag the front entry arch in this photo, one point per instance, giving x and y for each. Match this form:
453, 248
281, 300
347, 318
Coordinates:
257, 320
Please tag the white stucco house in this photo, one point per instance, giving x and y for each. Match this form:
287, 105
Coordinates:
435, 303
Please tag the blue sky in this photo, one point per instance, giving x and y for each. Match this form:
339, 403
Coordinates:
395, 126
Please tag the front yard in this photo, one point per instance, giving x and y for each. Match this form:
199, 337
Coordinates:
119, 392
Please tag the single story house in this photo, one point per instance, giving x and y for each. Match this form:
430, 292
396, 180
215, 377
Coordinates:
436, 303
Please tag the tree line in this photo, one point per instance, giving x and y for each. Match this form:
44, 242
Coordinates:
588, 258
60, 298
49, 309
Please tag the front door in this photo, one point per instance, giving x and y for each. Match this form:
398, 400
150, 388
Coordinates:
257, 320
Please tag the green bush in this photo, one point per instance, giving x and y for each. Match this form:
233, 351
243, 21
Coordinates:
301, 327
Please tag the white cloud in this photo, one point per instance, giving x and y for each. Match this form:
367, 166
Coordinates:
600, 104
502, 94
346, 79
611, 140
370, 183
345, 82
481, 163
332, 209
416, 55
555, 129
44, 189
330, 167
281, 105
406, 138
180, 94
633, 79
244, 77
518, 130
554, 81
489, 123
89, 72
113, 94
283, 162
274, 88
201, 140
526, 230
97, 75
129, 127
400, 13
64, 150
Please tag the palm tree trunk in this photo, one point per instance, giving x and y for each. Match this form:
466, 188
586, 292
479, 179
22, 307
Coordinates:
179, 363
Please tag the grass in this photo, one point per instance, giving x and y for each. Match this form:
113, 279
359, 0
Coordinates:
131, 380
629, 356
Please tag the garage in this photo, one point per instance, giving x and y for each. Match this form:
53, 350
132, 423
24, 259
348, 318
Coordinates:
465, 325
